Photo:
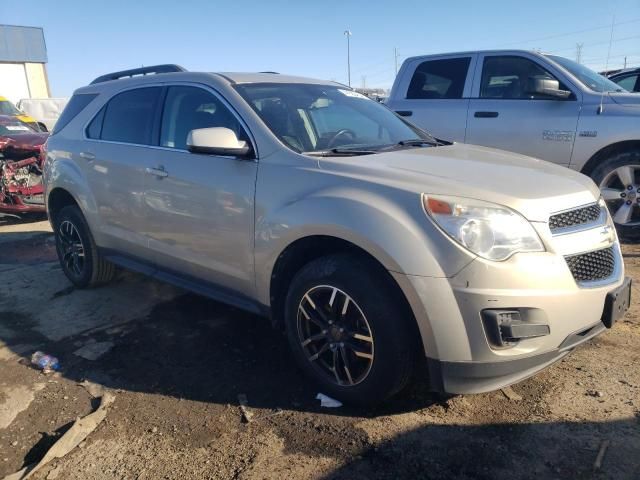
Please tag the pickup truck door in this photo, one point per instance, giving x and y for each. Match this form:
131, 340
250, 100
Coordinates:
200, 208
433, 93
505, 114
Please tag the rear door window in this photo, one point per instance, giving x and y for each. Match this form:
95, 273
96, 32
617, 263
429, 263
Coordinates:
439, 79
129, 116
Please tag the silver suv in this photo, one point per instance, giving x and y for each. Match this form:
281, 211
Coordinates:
375, 246
540, 105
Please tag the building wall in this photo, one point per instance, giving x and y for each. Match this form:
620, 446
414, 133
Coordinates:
23, 55
37, 78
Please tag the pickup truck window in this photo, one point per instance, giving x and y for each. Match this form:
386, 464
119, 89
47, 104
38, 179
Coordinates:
510, 77
629, 83
438, 79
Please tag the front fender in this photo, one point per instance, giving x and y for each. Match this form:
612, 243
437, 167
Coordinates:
393, 228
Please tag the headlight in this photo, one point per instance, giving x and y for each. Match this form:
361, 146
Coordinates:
490, 231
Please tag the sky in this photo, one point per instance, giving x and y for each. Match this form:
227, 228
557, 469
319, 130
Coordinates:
88, 38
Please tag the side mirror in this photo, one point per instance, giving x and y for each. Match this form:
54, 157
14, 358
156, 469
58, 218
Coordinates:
549, 87
217, 141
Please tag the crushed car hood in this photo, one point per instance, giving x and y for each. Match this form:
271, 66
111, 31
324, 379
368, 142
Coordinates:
27, 139
532, 187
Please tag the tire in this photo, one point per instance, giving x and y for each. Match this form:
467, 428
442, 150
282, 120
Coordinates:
613, 177
391, 342
77, 252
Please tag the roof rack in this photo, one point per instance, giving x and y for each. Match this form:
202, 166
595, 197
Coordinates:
275, 73
167, 68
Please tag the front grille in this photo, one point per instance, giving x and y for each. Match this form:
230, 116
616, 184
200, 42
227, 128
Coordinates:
579, 216
592, 266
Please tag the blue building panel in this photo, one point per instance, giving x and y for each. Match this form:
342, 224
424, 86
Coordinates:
22, 44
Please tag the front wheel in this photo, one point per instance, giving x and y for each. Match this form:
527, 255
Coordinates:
619, 181
349, 331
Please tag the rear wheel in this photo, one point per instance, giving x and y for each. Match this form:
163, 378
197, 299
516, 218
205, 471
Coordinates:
619, 181
77, 252
348, 330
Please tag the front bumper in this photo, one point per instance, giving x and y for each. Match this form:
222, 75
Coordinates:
480, 377
461, 356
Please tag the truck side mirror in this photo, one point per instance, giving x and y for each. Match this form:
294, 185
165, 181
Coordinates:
549, 87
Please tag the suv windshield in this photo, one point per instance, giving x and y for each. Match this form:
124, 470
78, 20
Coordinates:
587, 77
323, 119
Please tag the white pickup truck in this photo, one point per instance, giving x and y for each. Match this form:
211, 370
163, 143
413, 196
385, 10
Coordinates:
539, 105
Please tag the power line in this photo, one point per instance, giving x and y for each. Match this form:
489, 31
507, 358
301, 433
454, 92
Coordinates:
567, 34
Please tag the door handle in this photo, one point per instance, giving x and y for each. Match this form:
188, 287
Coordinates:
485, 114
158, 172
87, 156
404, 113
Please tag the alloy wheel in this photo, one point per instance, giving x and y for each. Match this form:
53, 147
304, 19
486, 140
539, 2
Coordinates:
71, 248
335, 335
620, 189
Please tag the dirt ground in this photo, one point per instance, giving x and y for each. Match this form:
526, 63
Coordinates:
176, 364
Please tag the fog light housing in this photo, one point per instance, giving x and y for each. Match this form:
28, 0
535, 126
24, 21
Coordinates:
505, 328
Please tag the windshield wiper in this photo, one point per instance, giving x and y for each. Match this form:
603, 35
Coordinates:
339, 152
417, 142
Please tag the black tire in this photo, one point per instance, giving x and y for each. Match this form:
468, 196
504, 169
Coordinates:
42, 127
603, 173
393, 341
87, 269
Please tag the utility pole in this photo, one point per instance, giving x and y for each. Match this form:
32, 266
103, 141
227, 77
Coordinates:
347, 33
364, 82
579, 52
625, 62
395, 58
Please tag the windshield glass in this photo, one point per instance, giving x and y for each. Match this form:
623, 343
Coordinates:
7, 108
588, 77
319, 118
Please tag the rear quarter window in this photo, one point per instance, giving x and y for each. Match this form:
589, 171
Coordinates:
77, 104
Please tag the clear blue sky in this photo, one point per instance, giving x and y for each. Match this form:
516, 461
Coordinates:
88, 38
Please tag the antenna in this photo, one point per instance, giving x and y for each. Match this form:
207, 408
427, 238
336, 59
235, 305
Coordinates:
606, 67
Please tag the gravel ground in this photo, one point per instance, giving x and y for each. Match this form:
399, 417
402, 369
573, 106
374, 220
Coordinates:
176, 364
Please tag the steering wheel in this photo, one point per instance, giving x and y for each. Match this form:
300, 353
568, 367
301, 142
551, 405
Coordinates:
338, 134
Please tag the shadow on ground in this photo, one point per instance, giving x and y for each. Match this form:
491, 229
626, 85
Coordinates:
502, 451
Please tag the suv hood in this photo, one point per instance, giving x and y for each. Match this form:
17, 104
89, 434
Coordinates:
626, 99
532, 187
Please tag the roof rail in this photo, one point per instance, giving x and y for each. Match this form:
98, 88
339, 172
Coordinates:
275, 73
167, 68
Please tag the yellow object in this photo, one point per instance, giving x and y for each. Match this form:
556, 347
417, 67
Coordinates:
12, 111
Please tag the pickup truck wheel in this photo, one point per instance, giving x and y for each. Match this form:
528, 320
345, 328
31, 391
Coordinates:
619, 181
77, 252
348, 331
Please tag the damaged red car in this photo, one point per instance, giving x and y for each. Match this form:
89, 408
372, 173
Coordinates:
21, 159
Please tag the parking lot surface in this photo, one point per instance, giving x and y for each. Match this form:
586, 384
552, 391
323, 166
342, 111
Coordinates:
176, 363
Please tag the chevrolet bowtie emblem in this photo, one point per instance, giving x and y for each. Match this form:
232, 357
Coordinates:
608, 234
